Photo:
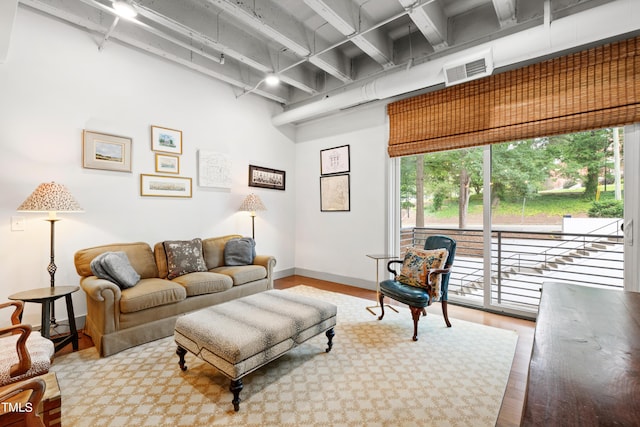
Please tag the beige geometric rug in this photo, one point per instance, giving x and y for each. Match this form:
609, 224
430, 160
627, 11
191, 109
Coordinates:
375, 375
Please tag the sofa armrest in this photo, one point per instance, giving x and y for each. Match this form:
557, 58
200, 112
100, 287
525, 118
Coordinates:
103, 303
268, 262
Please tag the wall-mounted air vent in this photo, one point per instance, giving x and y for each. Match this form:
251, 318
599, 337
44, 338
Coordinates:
469, 68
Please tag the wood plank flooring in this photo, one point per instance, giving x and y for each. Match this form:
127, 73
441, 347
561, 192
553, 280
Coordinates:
511, 410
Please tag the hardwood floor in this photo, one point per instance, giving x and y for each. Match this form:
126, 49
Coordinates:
511, 410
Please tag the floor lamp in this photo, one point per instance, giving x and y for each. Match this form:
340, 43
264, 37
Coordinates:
252, 203
52, 198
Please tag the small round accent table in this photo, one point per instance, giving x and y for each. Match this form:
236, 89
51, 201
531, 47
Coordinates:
46, 297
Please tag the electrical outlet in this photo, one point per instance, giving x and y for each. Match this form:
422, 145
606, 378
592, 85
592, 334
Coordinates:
18, 223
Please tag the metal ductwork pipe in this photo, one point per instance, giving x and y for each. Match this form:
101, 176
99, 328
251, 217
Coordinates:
614, 19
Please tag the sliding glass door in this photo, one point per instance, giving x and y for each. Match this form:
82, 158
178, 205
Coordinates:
553, 212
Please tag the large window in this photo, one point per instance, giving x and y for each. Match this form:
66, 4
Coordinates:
555, 213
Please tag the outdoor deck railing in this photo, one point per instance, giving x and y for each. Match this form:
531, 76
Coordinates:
522, 260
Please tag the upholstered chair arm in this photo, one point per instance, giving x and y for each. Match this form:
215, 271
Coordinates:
24, 360
30, 391
17, 312
391, 269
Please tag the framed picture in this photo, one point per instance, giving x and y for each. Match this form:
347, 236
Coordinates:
334, 193
164, 186
214, 169
166, 163
266, 178
108, 152
334, 160
166, 140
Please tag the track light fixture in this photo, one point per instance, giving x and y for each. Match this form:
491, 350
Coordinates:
272, 79
125, 9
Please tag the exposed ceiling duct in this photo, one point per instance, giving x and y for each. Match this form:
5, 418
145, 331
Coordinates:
330, 55
615, 20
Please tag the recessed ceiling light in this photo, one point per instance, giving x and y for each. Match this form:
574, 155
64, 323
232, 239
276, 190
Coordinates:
272, 79
124, 9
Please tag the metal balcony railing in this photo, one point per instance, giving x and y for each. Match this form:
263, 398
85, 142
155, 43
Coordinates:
522, 260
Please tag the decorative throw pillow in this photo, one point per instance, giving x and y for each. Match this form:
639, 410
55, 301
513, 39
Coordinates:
416, 266
184, 256
98, 270
239, 251
115, 267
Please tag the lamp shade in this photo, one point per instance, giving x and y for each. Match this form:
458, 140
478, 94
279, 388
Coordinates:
252, 203
50, 197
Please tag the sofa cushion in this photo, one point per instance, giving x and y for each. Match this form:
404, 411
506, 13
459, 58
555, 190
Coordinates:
150, 293
115, 266
201, 283
139, 254
243, 273
240, 251
184, 256
213, 249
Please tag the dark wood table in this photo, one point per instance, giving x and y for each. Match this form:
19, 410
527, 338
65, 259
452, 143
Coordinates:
46, 297
585, 363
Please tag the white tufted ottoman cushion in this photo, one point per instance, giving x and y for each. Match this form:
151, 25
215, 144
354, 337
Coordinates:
240, 336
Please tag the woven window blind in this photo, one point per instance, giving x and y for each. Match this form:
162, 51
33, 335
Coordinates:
592, 89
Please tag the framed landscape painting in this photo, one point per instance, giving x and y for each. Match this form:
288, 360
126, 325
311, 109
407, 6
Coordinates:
107, 152
164, 186
166, 140
166, 163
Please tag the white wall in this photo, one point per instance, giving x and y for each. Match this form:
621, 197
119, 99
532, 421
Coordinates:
333, 245
54, 84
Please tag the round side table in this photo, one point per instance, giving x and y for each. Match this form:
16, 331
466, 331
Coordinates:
46, 297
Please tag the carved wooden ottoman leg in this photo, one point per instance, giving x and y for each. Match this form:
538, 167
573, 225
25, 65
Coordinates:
181, 353
330, 334
236, 388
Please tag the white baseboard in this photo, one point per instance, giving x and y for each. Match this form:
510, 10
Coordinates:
351, 281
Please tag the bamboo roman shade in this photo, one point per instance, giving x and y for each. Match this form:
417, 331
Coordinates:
595, 88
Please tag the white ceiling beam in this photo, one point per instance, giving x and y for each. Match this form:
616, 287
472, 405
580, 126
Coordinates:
334, 63
270, 21
134, 34
284, 29
339, 14
430, 20
506, 12
204, 27
8, 10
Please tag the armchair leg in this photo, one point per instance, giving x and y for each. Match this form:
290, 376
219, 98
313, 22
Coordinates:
415, 314
381, 302
443, 303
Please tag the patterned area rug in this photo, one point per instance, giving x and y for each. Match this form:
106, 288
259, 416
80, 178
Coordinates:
374, 376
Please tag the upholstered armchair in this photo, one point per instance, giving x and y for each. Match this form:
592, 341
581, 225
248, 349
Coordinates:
424, 278
22, 354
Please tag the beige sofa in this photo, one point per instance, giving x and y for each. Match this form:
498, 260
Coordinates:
118, 319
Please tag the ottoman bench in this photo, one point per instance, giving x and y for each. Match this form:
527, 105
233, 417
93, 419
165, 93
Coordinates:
240, 336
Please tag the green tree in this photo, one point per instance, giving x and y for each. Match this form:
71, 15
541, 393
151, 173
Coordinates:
407, 182
519, 169
582, 156
454, 173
